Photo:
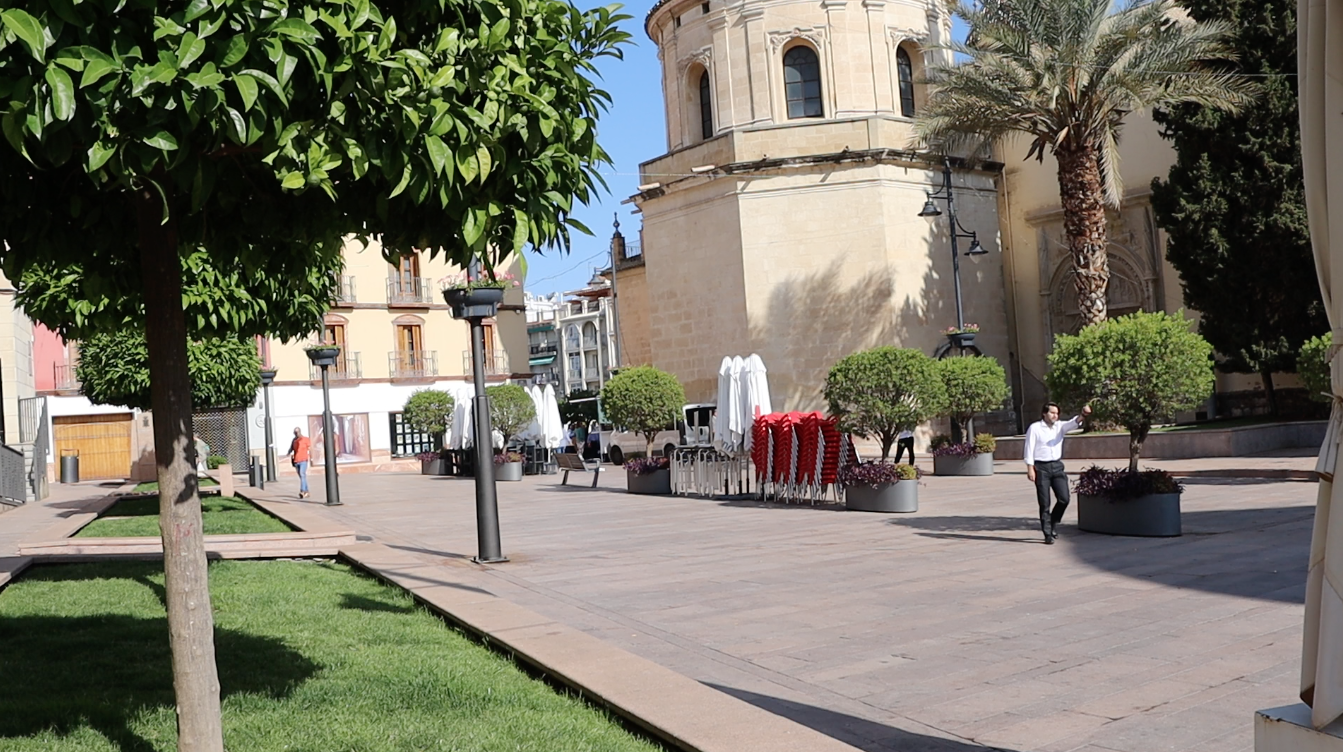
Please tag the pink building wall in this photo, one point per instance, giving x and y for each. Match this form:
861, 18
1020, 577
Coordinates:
49, 351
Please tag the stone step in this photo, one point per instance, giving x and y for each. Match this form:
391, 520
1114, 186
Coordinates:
242, 546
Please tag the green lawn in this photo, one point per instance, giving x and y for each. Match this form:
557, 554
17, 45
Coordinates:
222, 515
152, 486
312, 657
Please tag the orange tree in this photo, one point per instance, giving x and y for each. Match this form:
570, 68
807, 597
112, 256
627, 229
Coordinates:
193, 168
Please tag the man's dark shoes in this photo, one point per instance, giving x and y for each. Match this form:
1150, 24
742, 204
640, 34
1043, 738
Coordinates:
1049, 540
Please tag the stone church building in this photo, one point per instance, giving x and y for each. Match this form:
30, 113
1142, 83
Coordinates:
784, 217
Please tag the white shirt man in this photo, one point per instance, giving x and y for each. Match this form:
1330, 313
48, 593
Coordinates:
1043, 454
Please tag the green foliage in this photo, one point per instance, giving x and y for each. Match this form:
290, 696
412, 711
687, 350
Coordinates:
1133, 371
571, 411
214, 461
985, 443
113, 369
1018, 73
973, 385
427, 411
880, 392
511, 409
643, 400
464, 128
1313, 367
1233, 206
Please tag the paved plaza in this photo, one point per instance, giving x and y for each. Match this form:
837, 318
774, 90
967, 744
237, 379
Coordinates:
953, 629
950, 630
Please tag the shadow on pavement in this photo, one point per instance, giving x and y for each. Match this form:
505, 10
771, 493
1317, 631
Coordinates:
1251, 553
859, 732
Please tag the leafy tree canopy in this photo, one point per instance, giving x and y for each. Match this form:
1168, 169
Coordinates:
1233, 205
571, 411
973, 385
427, 411
644, 400
1313, 367
1134, 371
113, 369
880, 392
511, 409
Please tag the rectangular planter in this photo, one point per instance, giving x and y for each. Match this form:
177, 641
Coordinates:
980, 464
1156, 516
434, 467
900, 497
509, 471
654, 484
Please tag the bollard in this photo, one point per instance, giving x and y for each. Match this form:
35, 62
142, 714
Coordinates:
69, 465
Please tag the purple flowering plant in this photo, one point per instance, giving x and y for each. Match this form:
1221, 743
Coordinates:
504, 458
647, 465
877, 474
984, 443
426, 456
1124, 485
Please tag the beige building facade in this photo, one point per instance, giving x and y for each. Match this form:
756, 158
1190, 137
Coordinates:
783, 219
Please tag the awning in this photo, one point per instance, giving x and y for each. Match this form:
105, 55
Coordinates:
544, 360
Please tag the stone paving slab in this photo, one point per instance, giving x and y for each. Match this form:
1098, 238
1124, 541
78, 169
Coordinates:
949, 629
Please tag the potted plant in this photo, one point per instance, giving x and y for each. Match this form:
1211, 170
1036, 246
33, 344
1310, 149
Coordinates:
880, 487
508, 466
427, 411
477, 297
649, 475
962, 336
322, 353
511, 410
222, 468
645, 401
1133, 371
966, 458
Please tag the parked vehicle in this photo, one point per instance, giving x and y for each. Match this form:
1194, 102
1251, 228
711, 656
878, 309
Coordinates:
693, 430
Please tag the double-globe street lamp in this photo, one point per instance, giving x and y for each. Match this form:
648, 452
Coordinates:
930, 211
268, 378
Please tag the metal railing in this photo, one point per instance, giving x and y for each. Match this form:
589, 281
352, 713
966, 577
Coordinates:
30, 415
409, 291
412, 365
344, 292
13, 478
496, 363
37, 475
66, 378
347, 367
544, 349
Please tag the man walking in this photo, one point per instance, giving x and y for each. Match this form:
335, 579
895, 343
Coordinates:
298, 452
1044, 466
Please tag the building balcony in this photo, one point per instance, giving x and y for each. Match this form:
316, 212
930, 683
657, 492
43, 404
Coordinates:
343, 295
409, 291
66, 380
412, 365
347, 368
544, 349
496, 363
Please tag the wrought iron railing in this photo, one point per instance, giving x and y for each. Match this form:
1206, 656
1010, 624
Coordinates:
344, 293
13, 478
496, 363
412, 364
541, 350
347, 367
67, 379
409, 291
37, 474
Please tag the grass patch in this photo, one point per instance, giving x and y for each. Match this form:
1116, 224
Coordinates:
221, 515
152, 486
312, 656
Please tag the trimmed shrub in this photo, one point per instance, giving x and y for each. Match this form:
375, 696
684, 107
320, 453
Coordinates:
215, 460
1313, 368
880, 392
643, 400
511, 410
973, 385
427, 411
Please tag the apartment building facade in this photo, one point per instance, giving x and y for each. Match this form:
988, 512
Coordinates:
586, 324
543, 312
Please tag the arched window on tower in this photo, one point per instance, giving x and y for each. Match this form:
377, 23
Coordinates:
802, 83
904, 69
705, 107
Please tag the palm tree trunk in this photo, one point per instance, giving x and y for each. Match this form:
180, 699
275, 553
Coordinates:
1084, 223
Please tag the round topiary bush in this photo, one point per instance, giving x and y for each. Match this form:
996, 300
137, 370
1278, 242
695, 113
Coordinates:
643, 400
880, 392
511, 410
113, 369
1134, 371
1313, 367
973, 385
427, 411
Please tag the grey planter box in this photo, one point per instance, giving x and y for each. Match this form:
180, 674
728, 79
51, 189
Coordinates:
902, 497
653, 484
1157, 515
980, 464
509, 471
434, 467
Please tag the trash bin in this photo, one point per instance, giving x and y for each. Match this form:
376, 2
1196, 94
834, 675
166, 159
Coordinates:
256, 473
69, 465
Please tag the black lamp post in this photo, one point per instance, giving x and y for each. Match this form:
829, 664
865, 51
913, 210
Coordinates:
268, 378
324, 357
930, 210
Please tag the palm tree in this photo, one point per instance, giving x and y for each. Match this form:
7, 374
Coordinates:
1065, 73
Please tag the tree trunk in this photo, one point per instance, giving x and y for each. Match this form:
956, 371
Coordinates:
1084, 223
1135, 441
1270, 392
887, 441
190, 618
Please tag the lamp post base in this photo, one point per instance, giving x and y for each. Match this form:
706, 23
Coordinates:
500, 560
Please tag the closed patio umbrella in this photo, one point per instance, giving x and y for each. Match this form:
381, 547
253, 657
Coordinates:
722, 427
1320, 69
553, 425
755, 397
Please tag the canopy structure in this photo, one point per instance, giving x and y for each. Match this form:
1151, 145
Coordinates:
1320, 68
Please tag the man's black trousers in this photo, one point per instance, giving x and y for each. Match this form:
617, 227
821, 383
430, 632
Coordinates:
1051, 475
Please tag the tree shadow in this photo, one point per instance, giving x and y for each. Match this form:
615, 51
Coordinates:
360, 603
1249, 553
859, 732
104, 671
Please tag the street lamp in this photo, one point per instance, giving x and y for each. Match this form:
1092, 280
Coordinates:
931, 211
324, 357
268, 378
476, 305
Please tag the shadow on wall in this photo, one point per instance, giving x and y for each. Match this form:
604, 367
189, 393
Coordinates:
859, 732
